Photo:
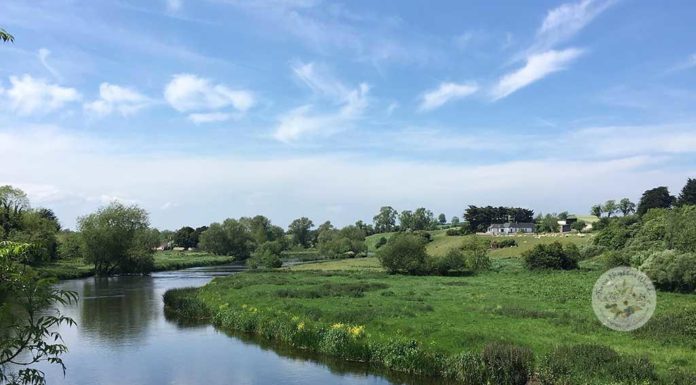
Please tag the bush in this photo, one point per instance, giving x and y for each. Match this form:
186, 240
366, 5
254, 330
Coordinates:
552, 256
267, 256
452, 261
455, 232
589, 250
616, 259
672, 271
404, 253
466, 368
380, 242
507, 364
476, 254
499, 244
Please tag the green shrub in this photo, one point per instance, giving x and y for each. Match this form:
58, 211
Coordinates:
339, 342
507, 364
502, 243
590, 250
184, 303
267, 256
476, 254
672, 271
552, 256
380, 242
616, 258
408, 356
455, 232
404, 253
454, 260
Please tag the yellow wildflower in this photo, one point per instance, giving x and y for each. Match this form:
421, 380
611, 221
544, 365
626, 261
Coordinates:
356, 331
300, 326
337, 326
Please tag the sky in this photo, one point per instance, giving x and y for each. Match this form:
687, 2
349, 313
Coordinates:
203, 110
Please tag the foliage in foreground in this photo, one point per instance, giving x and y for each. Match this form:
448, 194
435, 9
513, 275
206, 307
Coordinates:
27, 333
552, 256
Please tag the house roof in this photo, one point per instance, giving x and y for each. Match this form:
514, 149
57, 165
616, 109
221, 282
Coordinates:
523, 225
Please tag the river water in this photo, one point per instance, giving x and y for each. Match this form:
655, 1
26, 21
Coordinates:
123, 337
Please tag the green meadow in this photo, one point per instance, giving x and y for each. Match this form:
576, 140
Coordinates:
542, 311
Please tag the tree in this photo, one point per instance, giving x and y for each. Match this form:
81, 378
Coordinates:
5, 36
479, 218
442, 218
186, 237
347, 242
688, 193
563, 215
70, 245
232, 237
454, 221
404, 253
116, 239
626, 206
13, 202
547, 223
655, 198
596, 210
610, 207
261, 229
38, 231
49, 215
28, 331
300, 230
385, 220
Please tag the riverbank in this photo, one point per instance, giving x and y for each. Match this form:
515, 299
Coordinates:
164, 261
452, 326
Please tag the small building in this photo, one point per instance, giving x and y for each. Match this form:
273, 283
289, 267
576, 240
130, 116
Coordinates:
510, 228
564, 225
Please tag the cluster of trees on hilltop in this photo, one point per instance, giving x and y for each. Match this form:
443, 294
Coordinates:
408, 220
479, 218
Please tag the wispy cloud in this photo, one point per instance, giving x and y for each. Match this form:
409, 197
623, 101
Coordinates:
689, 63
210, 117
565, 21
113, 98
43, 55
444, 93
537, 67
28, 95
191, 93
305, 120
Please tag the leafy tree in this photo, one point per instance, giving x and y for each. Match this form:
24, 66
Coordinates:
116, 239
626, 206
39, 231
300, 230
610, 207
5, 36
404, 253
13, 203
563, 216
406, 220
186, 237
27, 330
688, 193
475, 252
596, 210
546, 223
366, 228
385, 220
578, 225
70, 245
232, 237
261, 229
552, 256
454, 221
421, 219
442, 218
655, 198
267, 255
49, 215
347, 242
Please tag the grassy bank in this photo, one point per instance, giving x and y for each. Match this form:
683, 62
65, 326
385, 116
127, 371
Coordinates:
164, 260
433, 324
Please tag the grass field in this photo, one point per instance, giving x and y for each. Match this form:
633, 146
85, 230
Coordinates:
449, 315
164, 260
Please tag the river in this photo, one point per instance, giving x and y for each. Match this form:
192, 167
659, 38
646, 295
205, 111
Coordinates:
123, 337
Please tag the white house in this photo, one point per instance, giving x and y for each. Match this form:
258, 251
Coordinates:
510, 228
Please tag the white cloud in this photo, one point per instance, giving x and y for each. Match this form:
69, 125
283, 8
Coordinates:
209, 117
188, 92
689, 63
445, 93
565, 21
304, 120
113, 98
28, 95
537, 67
277, 186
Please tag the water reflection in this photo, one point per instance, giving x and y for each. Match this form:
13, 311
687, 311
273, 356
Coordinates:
123, 337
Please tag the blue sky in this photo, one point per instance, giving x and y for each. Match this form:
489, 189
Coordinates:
202, 110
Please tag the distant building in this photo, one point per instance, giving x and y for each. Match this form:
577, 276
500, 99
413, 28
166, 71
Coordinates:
564, 226
510, 228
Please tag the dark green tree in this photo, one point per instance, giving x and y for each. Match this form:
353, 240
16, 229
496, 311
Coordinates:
626, 206
385, 220
657, 197
186, 237
688, 193
442, 218
300, 230
5, 36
